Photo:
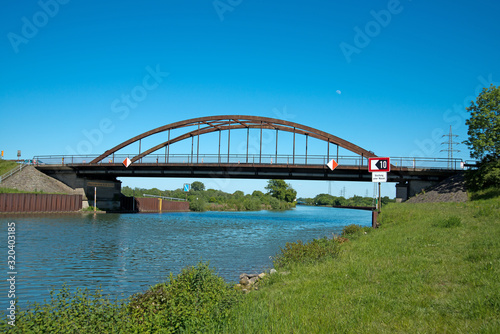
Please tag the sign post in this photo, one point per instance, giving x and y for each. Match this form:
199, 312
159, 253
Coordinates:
379, 168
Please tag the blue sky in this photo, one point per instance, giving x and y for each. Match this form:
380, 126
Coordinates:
389, 76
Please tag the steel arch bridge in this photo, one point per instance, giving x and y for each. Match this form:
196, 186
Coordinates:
210, 124
411, 174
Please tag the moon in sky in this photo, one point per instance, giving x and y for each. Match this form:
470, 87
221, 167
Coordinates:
338, 92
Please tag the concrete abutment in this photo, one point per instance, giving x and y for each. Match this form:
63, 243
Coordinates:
108, 189
407, 189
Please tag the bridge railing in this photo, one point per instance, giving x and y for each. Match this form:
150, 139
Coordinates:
398, 163
204, 159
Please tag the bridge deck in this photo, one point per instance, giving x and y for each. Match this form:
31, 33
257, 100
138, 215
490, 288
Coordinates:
244, 170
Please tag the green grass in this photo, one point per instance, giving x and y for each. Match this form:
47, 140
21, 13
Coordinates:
16, 191
90, 208
6, 166
428, 268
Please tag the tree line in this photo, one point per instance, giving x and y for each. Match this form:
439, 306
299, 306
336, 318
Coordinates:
329, 200
280, 196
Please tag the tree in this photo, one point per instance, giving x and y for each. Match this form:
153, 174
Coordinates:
197, 186
238, 194
484, 124
257, 193
281, 190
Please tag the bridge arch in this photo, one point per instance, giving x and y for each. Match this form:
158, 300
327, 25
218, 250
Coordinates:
211, 124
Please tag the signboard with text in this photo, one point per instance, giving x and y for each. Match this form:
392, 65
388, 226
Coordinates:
379, 164
379, 177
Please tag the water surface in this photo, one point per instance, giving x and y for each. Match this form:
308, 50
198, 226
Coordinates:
127, 253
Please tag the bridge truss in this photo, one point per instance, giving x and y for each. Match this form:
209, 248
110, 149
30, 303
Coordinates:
205, 125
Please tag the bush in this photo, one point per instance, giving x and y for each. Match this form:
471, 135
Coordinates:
354, 230
298, 252
71, 312
195, 299
486, 176
252, 204
197, 205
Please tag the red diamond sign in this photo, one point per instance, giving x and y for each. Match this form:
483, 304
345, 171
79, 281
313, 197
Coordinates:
127, 162
332, 164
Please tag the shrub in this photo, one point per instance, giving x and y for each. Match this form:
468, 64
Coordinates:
486, 176
72, 312
298, 252
196, 298
351, 229
252, 204
197, 205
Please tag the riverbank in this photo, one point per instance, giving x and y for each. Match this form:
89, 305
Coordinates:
430, 267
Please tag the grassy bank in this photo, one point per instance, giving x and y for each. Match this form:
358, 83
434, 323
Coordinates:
16, 191
7, 165
429, 268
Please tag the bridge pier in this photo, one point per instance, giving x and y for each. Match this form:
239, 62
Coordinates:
108, 187
407, 189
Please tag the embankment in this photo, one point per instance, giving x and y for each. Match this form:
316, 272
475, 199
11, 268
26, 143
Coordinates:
430, 267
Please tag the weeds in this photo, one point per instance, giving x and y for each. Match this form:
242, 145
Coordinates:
449, 222
313, 251
353, 229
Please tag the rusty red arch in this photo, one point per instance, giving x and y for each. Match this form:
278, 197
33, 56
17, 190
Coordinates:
210, 124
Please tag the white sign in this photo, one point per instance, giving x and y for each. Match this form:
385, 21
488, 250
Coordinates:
379, 177
127, 162
332, 164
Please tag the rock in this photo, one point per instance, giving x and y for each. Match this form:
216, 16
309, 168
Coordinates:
261, 276
253, 280
244, 281
243, 275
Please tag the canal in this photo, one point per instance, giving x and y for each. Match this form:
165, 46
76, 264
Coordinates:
126, 253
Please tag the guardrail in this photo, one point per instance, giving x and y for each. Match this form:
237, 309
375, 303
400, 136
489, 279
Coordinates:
357, 161
12, 172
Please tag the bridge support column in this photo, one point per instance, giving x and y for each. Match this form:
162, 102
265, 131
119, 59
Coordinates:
407, 189
402, 191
